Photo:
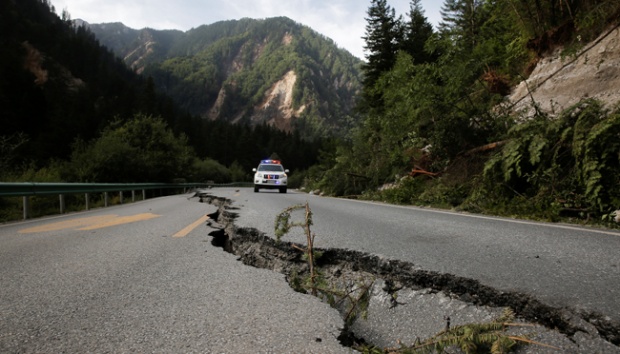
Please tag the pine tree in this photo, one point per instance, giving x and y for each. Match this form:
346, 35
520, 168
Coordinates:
383, 35
416, 32
461, 19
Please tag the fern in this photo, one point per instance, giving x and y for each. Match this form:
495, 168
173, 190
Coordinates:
535, 149
569, 162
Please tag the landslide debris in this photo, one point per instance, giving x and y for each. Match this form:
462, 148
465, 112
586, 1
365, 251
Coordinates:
560, 81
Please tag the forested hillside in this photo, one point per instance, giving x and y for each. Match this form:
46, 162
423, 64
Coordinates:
72, 111
438, 129
247, 71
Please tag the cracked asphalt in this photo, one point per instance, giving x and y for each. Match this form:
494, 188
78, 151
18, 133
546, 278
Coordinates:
135, 288
587, 320
145, 286
562, 265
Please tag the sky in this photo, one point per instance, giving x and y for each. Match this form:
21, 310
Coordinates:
341, 20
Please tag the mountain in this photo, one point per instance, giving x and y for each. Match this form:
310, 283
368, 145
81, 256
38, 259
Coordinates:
57, 83
61, 90
271, 71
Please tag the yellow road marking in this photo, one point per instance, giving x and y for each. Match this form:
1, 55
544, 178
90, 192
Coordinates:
68, 224
89, 223
191, 227
121, 220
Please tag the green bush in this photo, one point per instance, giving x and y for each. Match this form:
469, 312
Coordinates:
210, 170
142, 149
238, 173
296, 179
405, 191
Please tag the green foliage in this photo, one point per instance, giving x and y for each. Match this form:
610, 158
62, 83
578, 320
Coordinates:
383, 34
283, 223
356, 300
417, 31
585, 19
50, 94
570, 162
139, 150
404, 191
433, 113
462, 20
9, 146
211, 170
474, 338
424, 112
443, 195
238, 173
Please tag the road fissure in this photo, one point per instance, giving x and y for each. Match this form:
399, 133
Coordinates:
401, 286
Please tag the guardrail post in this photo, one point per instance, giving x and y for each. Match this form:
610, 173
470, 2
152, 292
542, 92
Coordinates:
26, 207
29, 189
105, 199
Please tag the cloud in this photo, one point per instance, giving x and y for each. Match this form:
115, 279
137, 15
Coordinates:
341, 20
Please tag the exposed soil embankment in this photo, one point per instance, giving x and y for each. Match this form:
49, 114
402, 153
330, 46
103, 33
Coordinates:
560, 81
407, 303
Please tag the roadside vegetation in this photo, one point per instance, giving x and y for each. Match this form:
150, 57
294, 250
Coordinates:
435, 131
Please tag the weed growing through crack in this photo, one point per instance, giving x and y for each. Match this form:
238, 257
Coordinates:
354, 298
284, 225
490, 337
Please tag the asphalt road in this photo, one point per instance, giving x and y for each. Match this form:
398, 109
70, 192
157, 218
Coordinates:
561, 265
145, 278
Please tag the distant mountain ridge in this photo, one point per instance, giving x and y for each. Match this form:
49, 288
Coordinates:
272, 71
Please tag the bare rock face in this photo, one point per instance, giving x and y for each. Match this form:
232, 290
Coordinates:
277, 107
559, 82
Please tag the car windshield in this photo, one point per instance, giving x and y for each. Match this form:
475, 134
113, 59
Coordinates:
271, 168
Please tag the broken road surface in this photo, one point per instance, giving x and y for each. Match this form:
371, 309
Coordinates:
149, 278
541, 269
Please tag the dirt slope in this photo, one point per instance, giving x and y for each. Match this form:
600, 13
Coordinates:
559, 81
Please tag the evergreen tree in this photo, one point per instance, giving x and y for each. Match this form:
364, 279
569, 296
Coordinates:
416, 32
461, 20
383, 34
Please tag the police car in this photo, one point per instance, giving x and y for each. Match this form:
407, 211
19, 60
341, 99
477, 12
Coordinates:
270, 175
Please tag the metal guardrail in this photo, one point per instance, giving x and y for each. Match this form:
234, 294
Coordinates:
28, 189
19, 189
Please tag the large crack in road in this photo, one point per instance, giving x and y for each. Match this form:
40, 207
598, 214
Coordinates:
407, 303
